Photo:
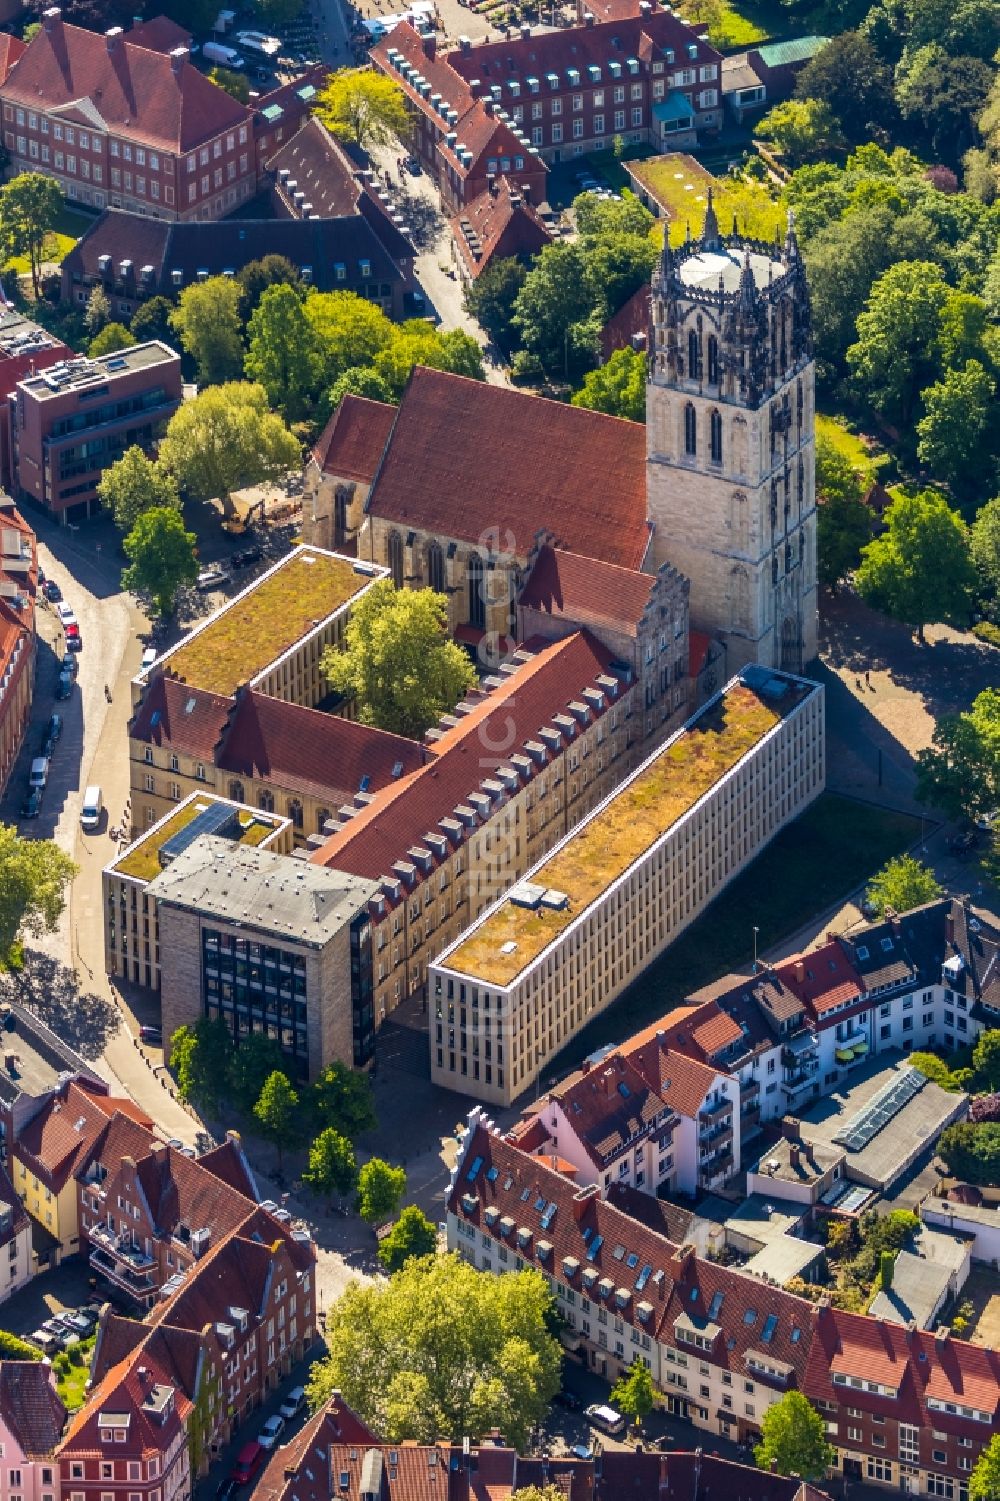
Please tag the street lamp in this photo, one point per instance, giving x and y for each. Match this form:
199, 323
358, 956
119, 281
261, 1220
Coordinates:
755, 933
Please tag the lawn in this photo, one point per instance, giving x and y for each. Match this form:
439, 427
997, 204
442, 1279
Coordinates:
828, 852
70, 225
143, 861
680, 184
849, 445
72, 1370
598, 853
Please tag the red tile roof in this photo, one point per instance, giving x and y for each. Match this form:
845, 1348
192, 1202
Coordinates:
383, 832
159, 34
622, 328
30, 1408
607, 1106
308, 751
439, 74
497, 225
132, 90
301, 1470
698, 645
62, 1136
175, 714
822, 978
683, 1082
178, 1190
11, 48
587, 590
465, 457
125, 1388
353, 442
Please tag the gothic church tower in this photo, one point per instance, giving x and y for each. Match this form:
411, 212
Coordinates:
730, 416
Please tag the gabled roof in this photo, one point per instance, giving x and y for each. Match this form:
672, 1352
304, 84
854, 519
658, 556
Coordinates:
30, 1408
176, 714
301, 1469
823, 978
623, 327
126, 1388
134, 91
682, 1081
159, 34
497, 224
63, 1135
463, 453
228, 1163
11, 48
179, 1191
607, 1106
587, 590
352, 443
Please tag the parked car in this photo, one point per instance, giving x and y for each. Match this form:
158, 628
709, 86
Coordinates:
248, 1462
271, 1431
52, 732
79, 1324
247, 556
66, 613
569, 1400
39, 773
210, 578
963, 844
152, 1035
32, 805
70, 663
986, 820
74, 641
65, 685
293, 1404
52, 591
44, 1340
580, 1451
413, 166
599, 1415
228, 1488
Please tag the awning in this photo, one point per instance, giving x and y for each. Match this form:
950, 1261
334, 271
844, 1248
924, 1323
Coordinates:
676, 106
844, 1055
860, 1049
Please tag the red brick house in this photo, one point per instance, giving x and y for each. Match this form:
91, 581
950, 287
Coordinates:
500, 223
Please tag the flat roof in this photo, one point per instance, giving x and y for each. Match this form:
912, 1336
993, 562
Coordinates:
626, 825
266, 619
813, 1161
141, 860
757, 1218
77, 374
37, 1055
261, 891
782, 1259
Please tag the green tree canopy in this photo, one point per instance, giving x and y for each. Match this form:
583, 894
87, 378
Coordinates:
256, 276
98, 310
412, 1235
162, 557
895, 356
397, 663
200, 1058
207, 321
226, 438
920, 570
441, 1348
351, 330
30, 205
237, 85
959, 435
359, 380
112, 337
844, 522
633, 1392
363, 106
380, 1188
801, 129
554, 310
283, 352
607, 218
943, 97
960, 772
901, 884
332, 1167
984, 1482
135, 484
251, 1064
341, 1098
935, 1069
793, 1439
276, 1111
986, 1060
843, 259
618, 387
984, 544
491, 297
34, 875
850, 78
972, 1152
417, 342
151, 320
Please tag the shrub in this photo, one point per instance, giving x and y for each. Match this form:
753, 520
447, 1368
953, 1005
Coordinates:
985, 630
972, 1151
986, 1107
12, 1348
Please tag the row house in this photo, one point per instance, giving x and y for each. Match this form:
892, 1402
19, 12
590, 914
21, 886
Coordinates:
649, 79
119, 125
515, 766
149, 1213
18, 587
905, 1409
17, 1265
34, 1065
32, 1417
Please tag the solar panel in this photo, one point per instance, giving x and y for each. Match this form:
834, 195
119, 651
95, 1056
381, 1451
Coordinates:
594, 1247
473, 1172
880, 1110
211, 820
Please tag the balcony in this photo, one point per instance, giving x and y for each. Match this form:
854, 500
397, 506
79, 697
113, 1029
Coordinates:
718, 1167
712, 1113
138, 1284
795, 1082
713, 1140
750, 1090
120, 1248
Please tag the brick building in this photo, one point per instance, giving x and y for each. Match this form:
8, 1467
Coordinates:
16, 1264
18, 588
32, 1417
25, 349
76, 418
500, 223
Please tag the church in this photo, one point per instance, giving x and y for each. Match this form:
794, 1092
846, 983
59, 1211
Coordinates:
687, 545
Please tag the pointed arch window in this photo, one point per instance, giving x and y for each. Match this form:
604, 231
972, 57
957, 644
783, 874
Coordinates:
690, 429
396, 558
694, 355
265, 800
477, 594
713, 360
236, 792
435, 567
715, 428
295, 812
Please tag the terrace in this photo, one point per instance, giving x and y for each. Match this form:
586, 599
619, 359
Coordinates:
265, 620
142, 859
619, 832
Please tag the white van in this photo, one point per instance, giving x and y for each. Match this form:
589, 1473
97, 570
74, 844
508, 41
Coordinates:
90, 813
39, 773
605, 1418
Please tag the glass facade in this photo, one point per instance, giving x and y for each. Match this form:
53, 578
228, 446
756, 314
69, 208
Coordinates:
254, 987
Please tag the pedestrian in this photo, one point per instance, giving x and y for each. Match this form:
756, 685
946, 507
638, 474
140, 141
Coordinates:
868, 678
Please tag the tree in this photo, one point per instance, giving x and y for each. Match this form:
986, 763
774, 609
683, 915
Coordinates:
397, 663
849, 77
984, 1482
207, 319
380, 1188
490, 300
843, 521
960, 771
617, 266
351, 330
839, 1237
920, 571
162, 557
441, 1348
254, 1060
943, 97
801, 129
417, 342
200, 1057
360, 105
958, 434
226, 438
633, 1393
113, 336
537, 1493
793, 1439
275, 1111
135, 484
412, 1235
895, 356
843, 260
610, 218
235, 84
554, 312
256, 276
986, 1060
902, 884
984, 548
342, 1098
151, 320
34, 875
283, 352
618, 388
30, 205
972, 1151
332, 1167
98, 310
359, 380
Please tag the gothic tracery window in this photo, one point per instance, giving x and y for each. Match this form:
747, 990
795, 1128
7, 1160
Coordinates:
694, 356
690, 429
716, 436
395, 550
713, 360
435, 567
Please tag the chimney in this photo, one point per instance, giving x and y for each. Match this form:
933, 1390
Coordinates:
178, 57
465, 44
911, 1330
525, 33
526, 191
588, 18
491, 183
488, 109
949, 927
794, 1155
791, 1128
112, 37
774, 1467
430, 47
582, 1199
52, 20
677, 1265
800, 972
942, 1334
585, 1066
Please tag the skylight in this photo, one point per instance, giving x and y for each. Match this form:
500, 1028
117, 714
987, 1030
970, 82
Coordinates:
750, 1317
594, 1246
632, 1261
715, 1306
473, 1172
770, 1324
619, 1252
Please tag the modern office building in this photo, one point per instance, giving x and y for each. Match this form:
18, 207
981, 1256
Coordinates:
566, 940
